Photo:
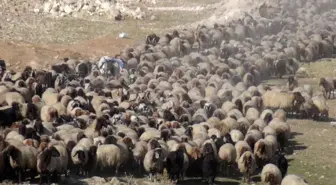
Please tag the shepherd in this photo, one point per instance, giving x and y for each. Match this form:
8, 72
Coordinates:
110, 66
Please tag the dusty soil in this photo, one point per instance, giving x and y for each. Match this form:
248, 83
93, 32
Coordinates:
27, 39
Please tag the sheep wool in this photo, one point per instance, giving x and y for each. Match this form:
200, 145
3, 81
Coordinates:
271, 174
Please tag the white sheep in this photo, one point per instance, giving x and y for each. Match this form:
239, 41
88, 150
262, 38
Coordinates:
271, 175
293, 180
247, 165
228, 155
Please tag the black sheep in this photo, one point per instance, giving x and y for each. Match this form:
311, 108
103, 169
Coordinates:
10, 115
209, 164
281, 162
174, 165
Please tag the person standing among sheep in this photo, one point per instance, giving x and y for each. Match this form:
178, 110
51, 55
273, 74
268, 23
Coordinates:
110, 66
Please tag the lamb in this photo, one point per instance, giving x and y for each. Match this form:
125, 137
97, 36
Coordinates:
22, 158
293, 180
271, 175
247, 165
153, 162
52, 159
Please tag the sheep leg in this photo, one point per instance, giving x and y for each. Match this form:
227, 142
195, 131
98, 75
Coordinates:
20, 175
116, 171
150, 176
48, 177
227, 170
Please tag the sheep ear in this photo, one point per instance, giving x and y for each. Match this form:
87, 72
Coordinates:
157, 156
75, 154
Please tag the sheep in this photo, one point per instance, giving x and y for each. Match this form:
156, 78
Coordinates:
281, 114
290, 102
247, 165
175, 163
271, 175
236, 135
22, 158
80, 154
282, 130
153, 162
49, 113
262, 152
293, 180
50, 96
280, 161
227, 154
53, 159
241, 147
328, 87
321, 104
10, 115
209, 164
292, 83
109, 155
139, 151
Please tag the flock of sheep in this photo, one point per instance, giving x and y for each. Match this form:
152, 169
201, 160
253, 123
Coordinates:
194, 113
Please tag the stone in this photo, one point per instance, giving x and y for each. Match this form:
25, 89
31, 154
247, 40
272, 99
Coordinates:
92, 8
105, 6
114, 181
68, 9
153, 18
47, 7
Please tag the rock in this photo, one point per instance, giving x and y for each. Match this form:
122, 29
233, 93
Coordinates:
302, 72
47, 7
92, 8
68, 9
153, 18
94, 180
114, 181
106, 6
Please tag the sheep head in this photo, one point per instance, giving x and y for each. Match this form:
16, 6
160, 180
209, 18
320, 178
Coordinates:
157, 154
128, 142
14, 153
298, 99
38, 126
80, 154
110, 140
270, 178
153, 144
46, 155
207, 149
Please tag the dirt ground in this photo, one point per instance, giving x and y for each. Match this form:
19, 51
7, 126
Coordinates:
27, 39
